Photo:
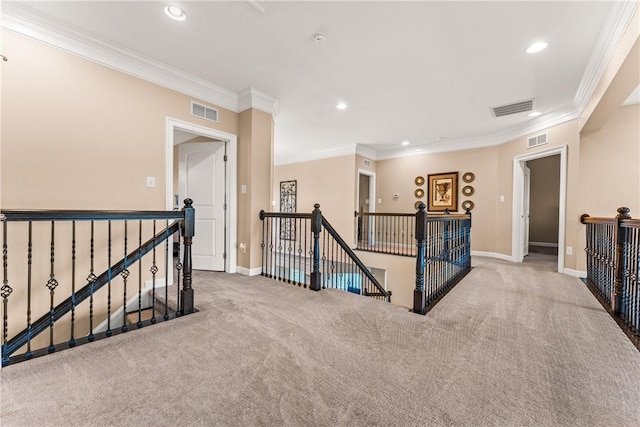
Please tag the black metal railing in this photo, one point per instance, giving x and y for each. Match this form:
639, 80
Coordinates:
443, 255
305, 250
45, 254
613, 264
388, 233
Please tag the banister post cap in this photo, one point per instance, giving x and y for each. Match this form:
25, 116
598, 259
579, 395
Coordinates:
583, 217
316, 206
422, 207
624, 213
188, 203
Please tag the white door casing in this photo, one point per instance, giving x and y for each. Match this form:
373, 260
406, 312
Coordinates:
231, 179
202, 179
526, 200
517, 229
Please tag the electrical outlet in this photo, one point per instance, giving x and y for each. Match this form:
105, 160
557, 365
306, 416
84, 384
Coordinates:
569, 250
243, 248
151, 181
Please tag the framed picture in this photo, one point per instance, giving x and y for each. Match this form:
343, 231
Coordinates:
288, 199
443, 192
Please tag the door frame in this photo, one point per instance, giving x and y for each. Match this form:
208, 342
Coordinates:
372, 196
230, 264
517, 228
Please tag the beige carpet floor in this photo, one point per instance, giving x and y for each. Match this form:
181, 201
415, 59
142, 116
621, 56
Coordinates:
511, 345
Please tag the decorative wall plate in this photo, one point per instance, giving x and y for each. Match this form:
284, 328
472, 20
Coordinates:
419, 180
468, 177
417, 204
467, 204
419, 193
468, 190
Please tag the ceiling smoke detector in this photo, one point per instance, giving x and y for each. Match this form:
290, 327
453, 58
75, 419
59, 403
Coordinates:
318, 38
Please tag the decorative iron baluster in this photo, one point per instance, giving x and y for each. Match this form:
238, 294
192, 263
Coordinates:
5, 291
139, 324
154, 271
125, 274
178, 269
109, 332
91, 278
166, 272
29, 354
72, 339
52, 283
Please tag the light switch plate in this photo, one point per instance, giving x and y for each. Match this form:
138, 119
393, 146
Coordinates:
151, 181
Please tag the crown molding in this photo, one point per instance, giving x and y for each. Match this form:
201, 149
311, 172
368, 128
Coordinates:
254, 98
301, 157
25, 21
615, 25
366, 152
558, 117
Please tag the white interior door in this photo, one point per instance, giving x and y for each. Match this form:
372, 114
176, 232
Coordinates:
202, 179
526, 209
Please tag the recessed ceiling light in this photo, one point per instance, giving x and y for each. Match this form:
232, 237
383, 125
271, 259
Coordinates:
535, 114
537, 47
341, 106
405, 143
174, 12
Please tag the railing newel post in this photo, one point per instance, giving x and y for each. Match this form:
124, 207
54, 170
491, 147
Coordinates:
316, 228
616, 295
419, 302
188, 231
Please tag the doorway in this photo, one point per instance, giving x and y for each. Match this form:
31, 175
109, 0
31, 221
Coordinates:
366, 204
520, 214
544, 205
215, 203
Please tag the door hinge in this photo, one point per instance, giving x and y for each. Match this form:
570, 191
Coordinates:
224, 207
225, 158
224, 255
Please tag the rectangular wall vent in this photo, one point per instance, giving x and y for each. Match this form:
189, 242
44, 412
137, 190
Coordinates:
536, 141
204, 112
366, 163
518, 107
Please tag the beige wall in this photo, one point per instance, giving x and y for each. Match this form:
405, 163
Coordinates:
93, 134
329, 182
609, 161
544, 199
398, 176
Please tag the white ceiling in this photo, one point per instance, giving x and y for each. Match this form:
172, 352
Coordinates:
422, 71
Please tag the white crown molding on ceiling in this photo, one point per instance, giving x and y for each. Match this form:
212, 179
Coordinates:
301, 156
366, 152
556, 118
30, 23
634, 98
615, 25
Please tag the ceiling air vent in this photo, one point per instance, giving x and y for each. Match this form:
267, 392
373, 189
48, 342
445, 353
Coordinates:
518, 107
536, 141
204, 112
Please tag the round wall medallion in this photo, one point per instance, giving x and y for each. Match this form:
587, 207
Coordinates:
468, 177
419, 180
419, 193
467, 190
416, 205
467, 204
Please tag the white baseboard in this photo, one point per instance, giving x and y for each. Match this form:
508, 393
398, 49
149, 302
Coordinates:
574, 273
544, 244
492, 255
249, 272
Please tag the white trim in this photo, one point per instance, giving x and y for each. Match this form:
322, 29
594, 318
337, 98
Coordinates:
574, 273
366, 152
613, 29
517, 208
492, 255
249, 272
301, 156
254, 98
232, 166
28, 22
543, 244
372, 197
